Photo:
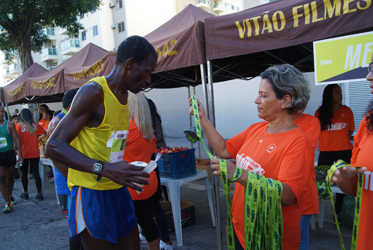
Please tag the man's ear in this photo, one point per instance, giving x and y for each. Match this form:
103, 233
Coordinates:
130, 63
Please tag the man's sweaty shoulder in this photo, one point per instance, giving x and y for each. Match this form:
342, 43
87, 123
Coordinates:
89, 103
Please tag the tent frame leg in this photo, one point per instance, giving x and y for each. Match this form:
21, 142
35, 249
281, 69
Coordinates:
209, 98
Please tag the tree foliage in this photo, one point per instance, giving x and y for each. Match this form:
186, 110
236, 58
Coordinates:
22, 23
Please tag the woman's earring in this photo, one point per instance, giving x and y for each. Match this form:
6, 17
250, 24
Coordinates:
283, 107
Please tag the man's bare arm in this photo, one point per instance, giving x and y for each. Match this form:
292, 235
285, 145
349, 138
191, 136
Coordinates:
13, 132
86, 106
52, 126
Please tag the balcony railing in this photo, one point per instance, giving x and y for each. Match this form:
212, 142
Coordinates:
202, 1
49, 51
218, 7
70, 43
50, 31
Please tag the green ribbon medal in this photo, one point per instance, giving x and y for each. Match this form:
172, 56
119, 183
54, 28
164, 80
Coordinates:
263, 214
359, 193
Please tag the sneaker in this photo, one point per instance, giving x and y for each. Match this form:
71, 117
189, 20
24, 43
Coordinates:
339, 218
24, 196
8, 208
39, 197
50, 175
164, 246
142, 239
12, 201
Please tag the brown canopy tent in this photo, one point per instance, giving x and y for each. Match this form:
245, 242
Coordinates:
71, 74
180, 46
244, 44
10, 92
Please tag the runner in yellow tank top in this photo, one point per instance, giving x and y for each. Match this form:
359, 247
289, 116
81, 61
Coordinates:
90, 141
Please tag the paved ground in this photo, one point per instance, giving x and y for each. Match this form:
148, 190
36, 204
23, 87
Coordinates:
40, 225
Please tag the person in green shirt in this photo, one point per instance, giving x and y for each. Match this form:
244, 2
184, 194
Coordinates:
8, 137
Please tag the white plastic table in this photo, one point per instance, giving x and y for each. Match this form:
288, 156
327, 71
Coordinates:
335, 189
173, 186
45, 162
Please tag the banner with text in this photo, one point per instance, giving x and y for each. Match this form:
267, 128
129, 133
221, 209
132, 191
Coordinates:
342, 59
285, 23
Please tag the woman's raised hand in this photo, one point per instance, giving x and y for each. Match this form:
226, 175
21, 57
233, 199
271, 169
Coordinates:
344, 173
201, 110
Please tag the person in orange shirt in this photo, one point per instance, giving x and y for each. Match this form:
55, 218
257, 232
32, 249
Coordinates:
311, 126
43, 108
337, 124
276, 149
47, 117
28, 132
346, 178
140, 146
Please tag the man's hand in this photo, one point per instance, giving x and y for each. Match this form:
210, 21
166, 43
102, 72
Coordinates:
125, 174
20, 159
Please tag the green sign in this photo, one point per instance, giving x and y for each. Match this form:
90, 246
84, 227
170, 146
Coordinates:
342, 59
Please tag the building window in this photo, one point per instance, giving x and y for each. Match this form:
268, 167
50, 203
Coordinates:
84, 35
237, 8
118, 4
232, 7
120, 27
95, 30
81, 15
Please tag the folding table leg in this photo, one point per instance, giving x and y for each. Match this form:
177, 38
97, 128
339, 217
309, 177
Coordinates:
174, 190
41, 173
208, 190
321, 213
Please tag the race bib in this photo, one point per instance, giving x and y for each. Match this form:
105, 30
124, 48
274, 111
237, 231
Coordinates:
3, 142
117, 143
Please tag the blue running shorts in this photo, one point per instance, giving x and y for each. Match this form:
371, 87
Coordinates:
108, 215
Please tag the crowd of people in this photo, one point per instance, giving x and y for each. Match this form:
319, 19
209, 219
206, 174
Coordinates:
109, 124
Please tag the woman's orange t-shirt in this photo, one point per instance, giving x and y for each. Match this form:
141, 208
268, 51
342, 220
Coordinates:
44, 123
139, 149
362, 157
29, 143
336, 138
284, 157
311, 126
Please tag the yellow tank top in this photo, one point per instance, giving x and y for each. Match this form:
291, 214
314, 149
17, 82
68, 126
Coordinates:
105, 142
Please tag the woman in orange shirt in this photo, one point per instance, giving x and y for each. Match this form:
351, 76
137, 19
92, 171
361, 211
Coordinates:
43, 108
140, 146
47, 117
276, 149
337, 124
28, 132
346, 178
